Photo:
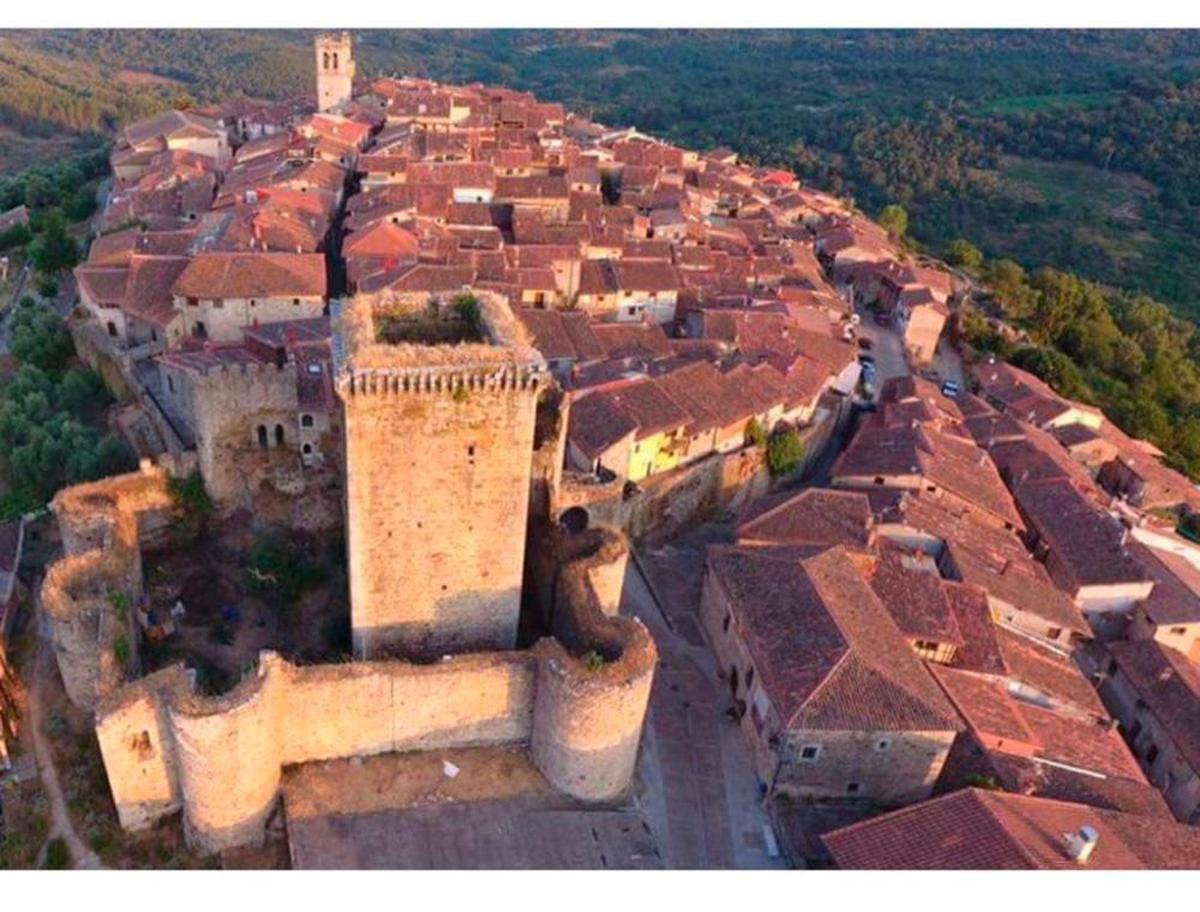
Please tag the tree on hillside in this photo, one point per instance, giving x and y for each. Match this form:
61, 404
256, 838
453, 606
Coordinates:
38, 336
961, 252
894, 219
54, 250
1055, 368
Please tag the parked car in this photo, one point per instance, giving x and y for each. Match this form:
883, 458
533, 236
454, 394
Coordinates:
865, 344
950, 388
866, 358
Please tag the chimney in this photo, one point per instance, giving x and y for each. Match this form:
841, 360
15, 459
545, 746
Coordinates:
1080, 845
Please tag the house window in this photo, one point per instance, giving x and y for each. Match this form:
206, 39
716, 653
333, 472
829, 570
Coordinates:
883, 744
220, 302
878, 479
926, 645
1179, 631
170, 383
296, 302
810, 752
851, 788
1054, 633
112, 328
725, 623
262, 436
306, 421
198, 330
279, 435
749, 677
307, 449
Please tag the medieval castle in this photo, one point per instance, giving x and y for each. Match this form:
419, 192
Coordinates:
435, 408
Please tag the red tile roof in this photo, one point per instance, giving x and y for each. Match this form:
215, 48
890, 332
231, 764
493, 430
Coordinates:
828, 654
976, 829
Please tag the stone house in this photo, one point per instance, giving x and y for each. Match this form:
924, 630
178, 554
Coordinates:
629, 290
220, 293
831, 701
920, 325
633, 429
1084, 550
1154, 692
1170, 615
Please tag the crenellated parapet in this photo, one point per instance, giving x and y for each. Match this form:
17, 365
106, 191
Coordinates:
220, 759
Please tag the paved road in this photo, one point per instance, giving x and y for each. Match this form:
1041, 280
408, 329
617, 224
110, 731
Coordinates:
701, 796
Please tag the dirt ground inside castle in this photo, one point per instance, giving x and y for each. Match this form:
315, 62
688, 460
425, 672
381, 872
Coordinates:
233, 607
477, 808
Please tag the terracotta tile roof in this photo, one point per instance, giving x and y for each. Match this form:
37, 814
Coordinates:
910, 588
1021, 584
1049, 672
1175, 598
598, 422
148, 291
709, 397
987, 708
1168, 682
974, 829
253, 275
561, 334
942, 459
1087, 542
829, 655
980, 651
622, 340
816, 516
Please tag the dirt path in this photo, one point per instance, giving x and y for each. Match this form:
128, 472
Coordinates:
60, 820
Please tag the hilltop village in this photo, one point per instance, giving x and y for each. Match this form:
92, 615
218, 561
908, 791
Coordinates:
679, 530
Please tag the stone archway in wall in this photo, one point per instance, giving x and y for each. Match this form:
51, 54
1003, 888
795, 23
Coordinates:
574, 520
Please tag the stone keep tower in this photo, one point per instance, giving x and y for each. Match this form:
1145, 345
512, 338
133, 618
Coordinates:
440, 400
335, 72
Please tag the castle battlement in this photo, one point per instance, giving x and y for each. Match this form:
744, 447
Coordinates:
361, 345
220, 759
448, 380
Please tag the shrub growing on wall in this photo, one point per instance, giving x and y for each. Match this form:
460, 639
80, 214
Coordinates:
785, 452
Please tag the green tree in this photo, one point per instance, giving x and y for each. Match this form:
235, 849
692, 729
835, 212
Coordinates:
54, 250
894, 219
961, 252
785, 452
1009, 286
38, 336
1055, 368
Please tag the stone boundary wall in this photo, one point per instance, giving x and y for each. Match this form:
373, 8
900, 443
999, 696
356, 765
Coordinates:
220, 759
104, 525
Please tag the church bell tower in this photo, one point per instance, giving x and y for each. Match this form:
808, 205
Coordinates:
335, 72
